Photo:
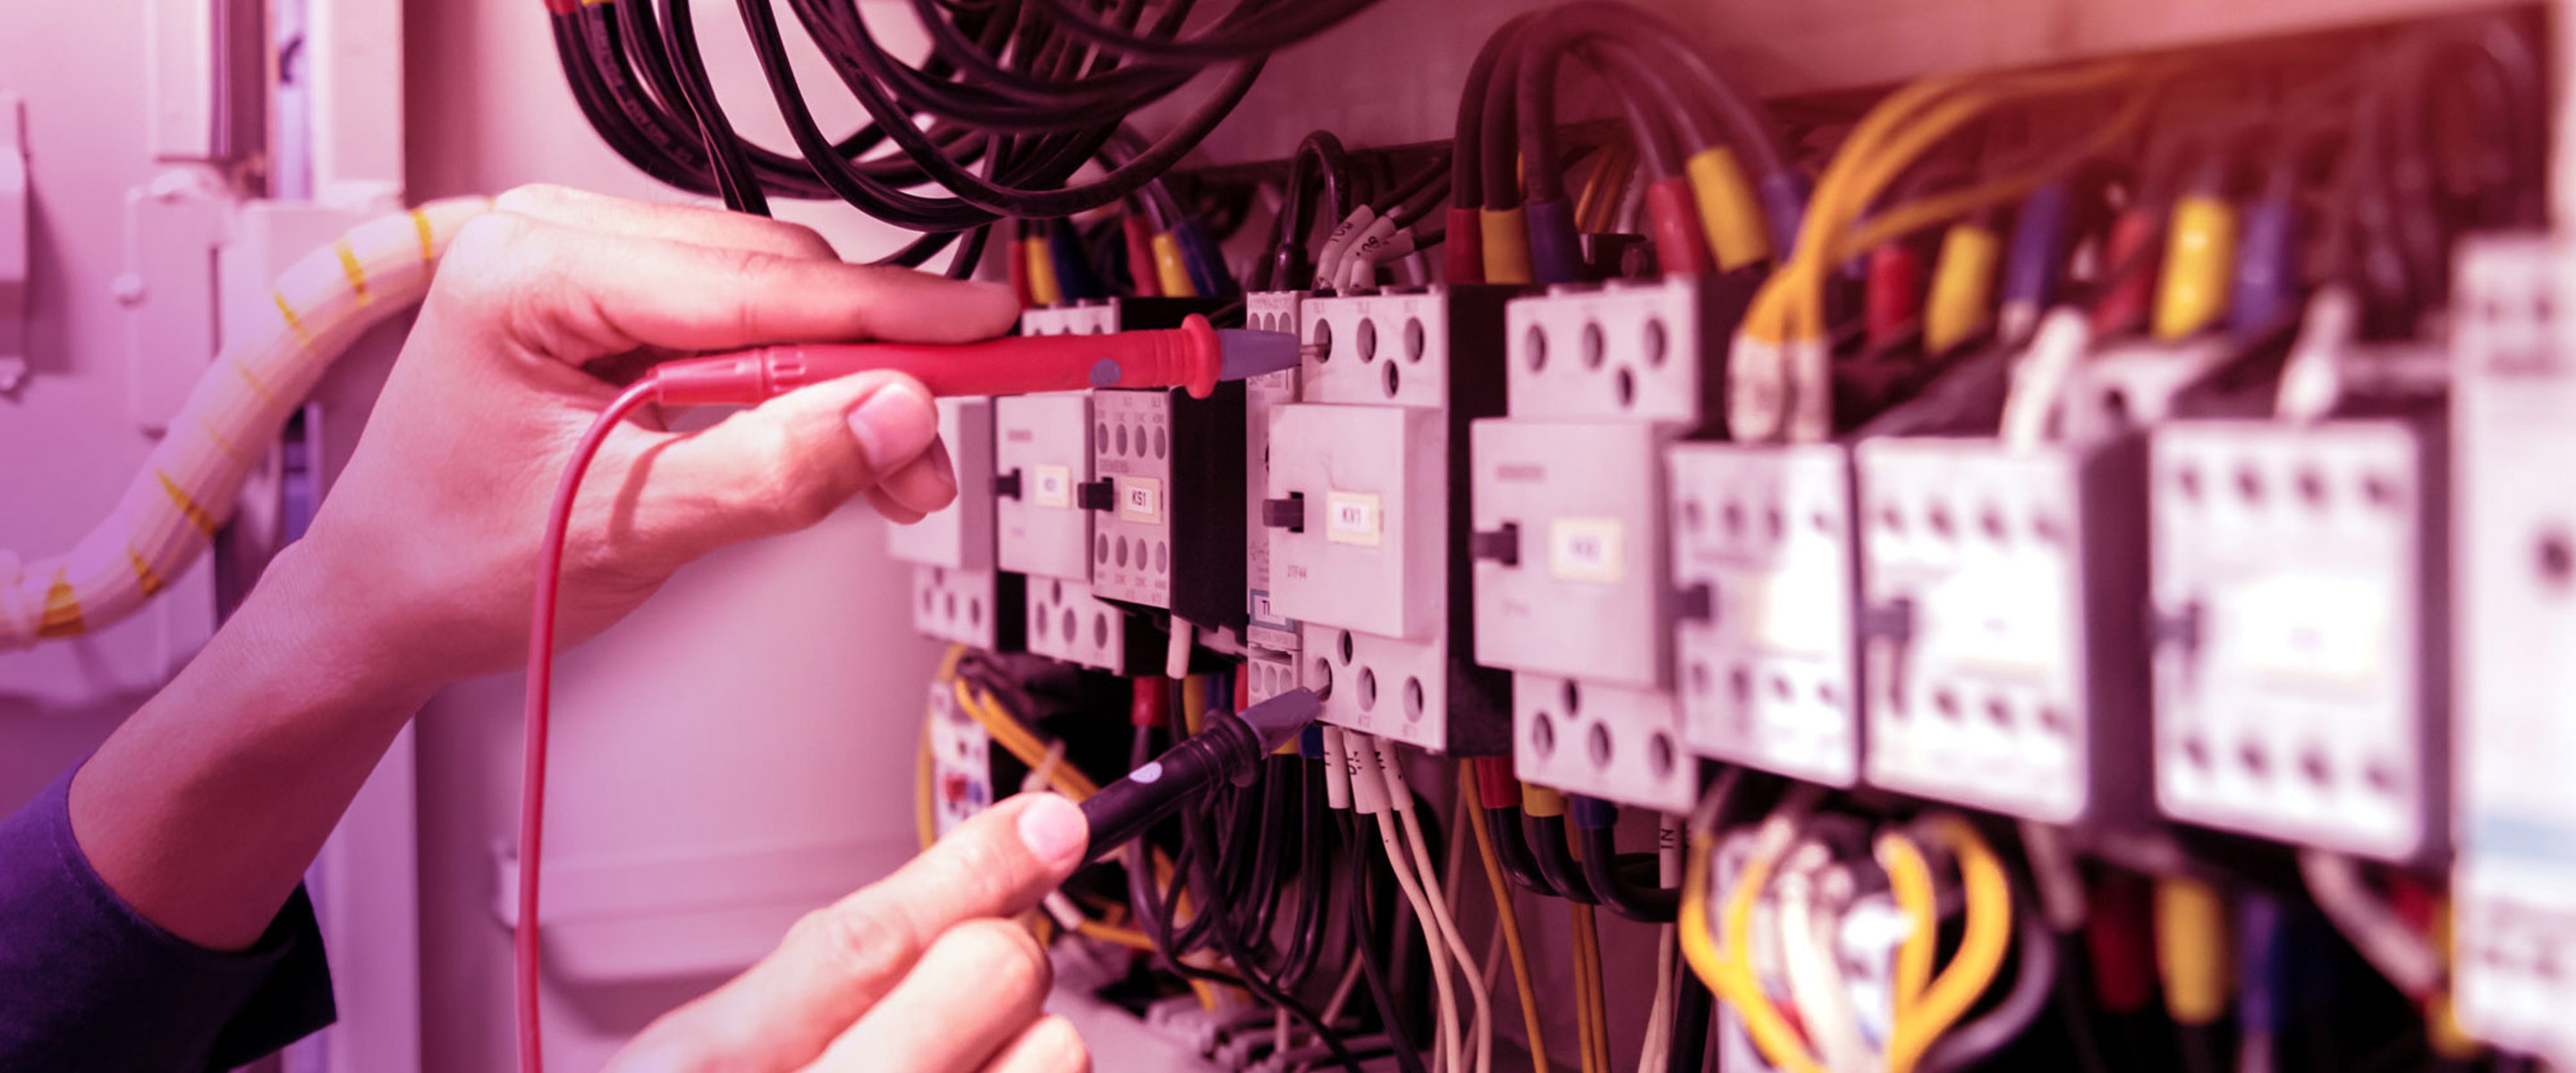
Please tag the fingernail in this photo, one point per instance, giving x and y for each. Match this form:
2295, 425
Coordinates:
1053, 828
944, 469
894, 424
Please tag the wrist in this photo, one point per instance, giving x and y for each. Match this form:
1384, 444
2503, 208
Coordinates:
306, 619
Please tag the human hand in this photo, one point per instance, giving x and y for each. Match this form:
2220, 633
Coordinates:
431, 535
922, 972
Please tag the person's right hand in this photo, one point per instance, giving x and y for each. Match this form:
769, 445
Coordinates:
922, 972
426, 548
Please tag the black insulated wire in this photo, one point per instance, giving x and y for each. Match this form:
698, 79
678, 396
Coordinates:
1603, 867
1556, 860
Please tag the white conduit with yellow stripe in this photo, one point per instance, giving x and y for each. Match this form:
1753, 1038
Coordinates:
187, 489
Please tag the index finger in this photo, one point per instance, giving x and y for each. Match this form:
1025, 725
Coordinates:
578, 295
837, 962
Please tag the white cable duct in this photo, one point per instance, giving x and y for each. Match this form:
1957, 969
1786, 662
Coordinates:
188, 486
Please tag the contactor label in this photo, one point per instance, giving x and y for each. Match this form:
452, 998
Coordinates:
1140, 499
1586, 549
1352, 518
1053, 486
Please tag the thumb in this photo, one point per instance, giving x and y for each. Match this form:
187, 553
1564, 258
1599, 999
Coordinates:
785, 464
838, 961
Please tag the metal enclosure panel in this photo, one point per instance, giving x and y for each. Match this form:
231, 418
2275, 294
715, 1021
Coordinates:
1769, 675
2299, 666
1587, 595
2515, 817
1373, 480
1043, 443
2001, 597
961, 536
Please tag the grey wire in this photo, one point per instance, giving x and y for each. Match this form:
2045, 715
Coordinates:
1979, 1040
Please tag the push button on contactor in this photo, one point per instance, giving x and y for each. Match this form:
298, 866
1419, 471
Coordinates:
1007, 485
1500, 545
1095, 495
1288, 514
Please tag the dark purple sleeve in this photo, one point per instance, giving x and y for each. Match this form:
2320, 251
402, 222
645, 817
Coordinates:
87, 984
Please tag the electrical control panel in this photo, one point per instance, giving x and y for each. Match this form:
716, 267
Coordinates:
1764, 556
1041, 457
2515, 574
2299, 676
1265, 311
1168, 492
2003, 597
1366, 524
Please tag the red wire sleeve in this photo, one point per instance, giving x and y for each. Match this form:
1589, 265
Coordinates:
541, 658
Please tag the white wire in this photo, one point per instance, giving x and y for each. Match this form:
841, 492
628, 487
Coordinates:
1482, 1027
1815, 975
1652, 1057
1447, 1054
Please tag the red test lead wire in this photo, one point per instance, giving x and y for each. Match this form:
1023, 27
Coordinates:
541, 662
1190, 356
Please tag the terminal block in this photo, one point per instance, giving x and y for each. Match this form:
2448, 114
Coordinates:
1066, 622
2002, 609
1650, 350
2301, 686
1041, 456
1272, 311
1617, 743
1367, 522
961, 762
2514, 975
1168, 494
1764, 561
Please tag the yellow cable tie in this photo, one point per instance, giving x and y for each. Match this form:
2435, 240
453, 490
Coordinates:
62, 616
294, 323
187, 505
143, 574
354, 272
257, 387
421, 226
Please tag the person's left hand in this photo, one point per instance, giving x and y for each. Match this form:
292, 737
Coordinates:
920, 973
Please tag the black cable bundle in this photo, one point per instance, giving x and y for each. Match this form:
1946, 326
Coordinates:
1013, 98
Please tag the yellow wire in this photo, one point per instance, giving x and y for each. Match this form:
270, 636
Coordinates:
1588, 933
1730, 974
1910, 880
1586, 1027
1507, 916
925, 807
1981, 945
